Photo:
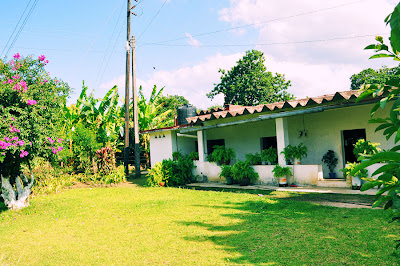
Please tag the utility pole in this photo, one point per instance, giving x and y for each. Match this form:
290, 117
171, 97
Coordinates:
127, 73
135, 110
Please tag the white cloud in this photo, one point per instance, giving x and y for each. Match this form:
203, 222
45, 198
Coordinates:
192, 82
305, 20
192, 41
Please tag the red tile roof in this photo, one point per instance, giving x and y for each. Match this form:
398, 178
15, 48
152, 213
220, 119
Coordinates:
238, 110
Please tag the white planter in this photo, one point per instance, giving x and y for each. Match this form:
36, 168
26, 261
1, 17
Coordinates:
296, 161
356, 181
283, 181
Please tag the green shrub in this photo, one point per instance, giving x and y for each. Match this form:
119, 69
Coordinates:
362, 173
194, 156
281, 171
254, 159
243, 173
84, 146
288, 152
364, 147
173, 172
270, 155
221, 155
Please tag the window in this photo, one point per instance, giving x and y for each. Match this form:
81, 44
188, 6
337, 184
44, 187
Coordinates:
212, 143
268, 142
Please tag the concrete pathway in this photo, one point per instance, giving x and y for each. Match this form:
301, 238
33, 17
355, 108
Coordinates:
324, 190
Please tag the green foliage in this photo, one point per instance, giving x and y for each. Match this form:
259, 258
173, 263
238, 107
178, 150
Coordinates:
243, 173
155, 175
254, 159
221, 155
281, 171
349, 170
363, 148
226, 171
177, 172
177, 155
105, 160
330, 160
84, 148
300, 151
270, 155
389, 174
194, 156
30, 109
115, 176
371, 76
170, 104
288, 152
248, 83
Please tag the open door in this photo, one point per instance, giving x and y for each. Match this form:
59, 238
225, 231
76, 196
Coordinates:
349, 138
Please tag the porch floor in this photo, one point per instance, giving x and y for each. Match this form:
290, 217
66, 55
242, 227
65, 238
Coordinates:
323, 190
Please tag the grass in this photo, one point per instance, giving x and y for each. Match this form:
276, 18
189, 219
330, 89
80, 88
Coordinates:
139, 226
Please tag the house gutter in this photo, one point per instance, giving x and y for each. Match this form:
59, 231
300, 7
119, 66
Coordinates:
186, 135
278, 115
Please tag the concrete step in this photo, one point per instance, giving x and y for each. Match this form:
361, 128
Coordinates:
333, 183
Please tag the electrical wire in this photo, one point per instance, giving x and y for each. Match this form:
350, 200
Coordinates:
16, 26
262, 22
22, 26
151, 21
266, 44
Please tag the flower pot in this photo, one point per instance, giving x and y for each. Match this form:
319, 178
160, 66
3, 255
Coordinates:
296, 161
355, 182
244, 182
332, 175
162, 184
283, 181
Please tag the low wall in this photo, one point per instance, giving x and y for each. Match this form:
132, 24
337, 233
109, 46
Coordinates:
303, 174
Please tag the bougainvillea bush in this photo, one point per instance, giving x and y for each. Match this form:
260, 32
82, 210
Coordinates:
30, 114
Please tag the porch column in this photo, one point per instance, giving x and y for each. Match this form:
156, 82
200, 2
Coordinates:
202, 145
282, 137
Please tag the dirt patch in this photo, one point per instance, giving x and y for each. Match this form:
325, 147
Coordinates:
338, 200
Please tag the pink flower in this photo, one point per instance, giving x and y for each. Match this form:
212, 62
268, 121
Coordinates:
12, 118
23, 153
16, 77
60, 140
17, 56
42, 58
45, 80
60, 148
51, 140
31, 102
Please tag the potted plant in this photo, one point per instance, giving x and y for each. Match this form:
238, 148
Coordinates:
282, 172
226, 172
356, 178
222, 155
254, 159
364, 147
288, 152
299, 152
270, 155
331, 161
194, 156
243, 173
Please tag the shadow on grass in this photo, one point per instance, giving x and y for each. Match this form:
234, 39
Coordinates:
366, 200
283, 232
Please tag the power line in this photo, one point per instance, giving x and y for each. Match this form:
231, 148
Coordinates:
151, 21
262, 22
16, 26
267, 44
20, 28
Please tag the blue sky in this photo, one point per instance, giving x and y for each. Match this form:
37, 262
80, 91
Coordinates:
181, 44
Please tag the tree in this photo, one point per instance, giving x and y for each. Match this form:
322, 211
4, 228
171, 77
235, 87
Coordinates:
249, 83
171, 102
388, 175
31, 104
372, 76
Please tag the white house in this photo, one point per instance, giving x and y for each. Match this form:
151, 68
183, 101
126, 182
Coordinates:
328, 122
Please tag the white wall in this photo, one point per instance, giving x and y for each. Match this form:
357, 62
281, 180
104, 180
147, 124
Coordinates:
162, 145
324, 132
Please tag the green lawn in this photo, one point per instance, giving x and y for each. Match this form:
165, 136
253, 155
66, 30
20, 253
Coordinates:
139, 226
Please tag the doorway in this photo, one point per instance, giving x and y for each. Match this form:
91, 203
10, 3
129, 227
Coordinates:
349, 138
